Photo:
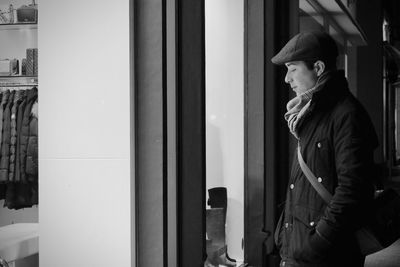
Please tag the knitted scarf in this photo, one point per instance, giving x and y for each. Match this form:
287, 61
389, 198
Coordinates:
299, 106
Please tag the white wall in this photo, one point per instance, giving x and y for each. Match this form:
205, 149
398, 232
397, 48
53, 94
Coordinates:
224, 111
84, 133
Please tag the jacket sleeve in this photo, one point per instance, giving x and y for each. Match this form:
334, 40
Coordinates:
354, 141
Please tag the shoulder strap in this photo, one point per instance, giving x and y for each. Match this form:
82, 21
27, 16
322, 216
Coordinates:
312, 179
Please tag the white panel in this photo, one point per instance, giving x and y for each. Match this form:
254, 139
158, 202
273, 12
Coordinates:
84, 133
84, 79
84, 213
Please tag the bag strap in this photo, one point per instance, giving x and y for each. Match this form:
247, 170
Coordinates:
312, 179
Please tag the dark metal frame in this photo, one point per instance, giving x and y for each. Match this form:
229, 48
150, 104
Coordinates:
191, 168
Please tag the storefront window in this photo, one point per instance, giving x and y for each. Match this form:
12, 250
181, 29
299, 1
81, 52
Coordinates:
224, 27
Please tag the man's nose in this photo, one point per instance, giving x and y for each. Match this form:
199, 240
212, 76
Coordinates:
287, 78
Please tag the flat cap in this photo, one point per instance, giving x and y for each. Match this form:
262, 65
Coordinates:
311, 45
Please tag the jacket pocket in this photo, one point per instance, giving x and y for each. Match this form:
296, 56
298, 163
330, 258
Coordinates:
305, 220
307, 216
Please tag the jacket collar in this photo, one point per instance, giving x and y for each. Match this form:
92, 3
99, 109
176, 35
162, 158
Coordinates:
334, 89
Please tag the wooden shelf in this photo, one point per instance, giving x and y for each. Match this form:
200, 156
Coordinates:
18, 26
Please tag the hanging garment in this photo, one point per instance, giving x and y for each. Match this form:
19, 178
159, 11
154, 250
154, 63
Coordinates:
4, 100
32, 162
18, 148
5, 143
32, 150
20, 114
3, 189
31, 97
19, 97
21, 195
34, 192
19, 192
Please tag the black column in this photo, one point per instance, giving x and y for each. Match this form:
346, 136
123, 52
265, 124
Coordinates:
191, 132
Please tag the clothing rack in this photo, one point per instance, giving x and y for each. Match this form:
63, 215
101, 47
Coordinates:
19, 85
19, 163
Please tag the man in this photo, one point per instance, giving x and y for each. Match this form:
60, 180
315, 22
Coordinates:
337, 141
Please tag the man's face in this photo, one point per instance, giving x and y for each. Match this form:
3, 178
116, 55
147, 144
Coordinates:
299, 77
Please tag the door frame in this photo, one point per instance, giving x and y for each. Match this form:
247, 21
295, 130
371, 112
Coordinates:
266, 139
267, 142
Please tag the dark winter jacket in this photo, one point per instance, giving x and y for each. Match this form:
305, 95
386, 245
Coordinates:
23, 193
4, 100
19, 97
20, 115
337, 141
5, 142
24, 133
32, 148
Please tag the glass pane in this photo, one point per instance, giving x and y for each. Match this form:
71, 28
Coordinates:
224, 26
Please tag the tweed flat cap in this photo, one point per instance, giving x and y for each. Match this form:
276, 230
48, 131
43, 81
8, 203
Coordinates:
312, 45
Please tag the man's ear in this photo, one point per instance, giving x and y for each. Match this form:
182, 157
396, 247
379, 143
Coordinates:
319, 67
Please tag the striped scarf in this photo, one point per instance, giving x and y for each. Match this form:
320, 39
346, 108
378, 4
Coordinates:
299, 107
